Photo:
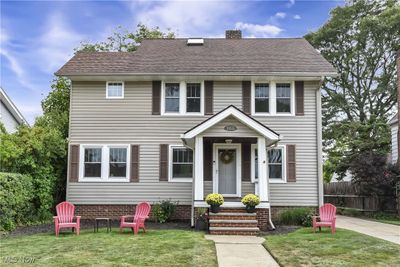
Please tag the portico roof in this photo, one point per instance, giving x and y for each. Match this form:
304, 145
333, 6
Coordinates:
233, 111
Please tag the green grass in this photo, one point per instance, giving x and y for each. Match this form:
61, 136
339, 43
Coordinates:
345, 248
153, 248
394, 221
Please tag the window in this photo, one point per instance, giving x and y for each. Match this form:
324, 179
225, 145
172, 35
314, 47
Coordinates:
276, 164
261, 95
92, 164
115, 90
283, 98
193, 97
104, 163
118, 158
172, 97
181, 165
182, 98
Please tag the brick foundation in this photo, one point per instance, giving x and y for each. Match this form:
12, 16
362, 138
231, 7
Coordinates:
116, 211
262, 218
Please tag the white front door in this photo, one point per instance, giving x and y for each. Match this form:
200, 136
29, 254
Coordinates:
227, 171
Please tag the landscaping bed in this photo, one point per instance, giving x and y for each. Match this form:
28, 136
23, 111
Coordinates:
156, 247
345, 248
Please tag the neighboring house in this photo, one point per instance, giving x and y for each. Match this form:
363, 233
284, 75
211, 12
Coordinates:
394, 127
181, 118
10, 116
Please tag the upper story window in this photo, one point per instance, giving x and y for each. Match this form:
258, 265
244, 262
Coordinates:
261, 98
181, 164
273, 98
283, 96
172, 94
102, 163
180, 98
276, 159
115, 90
193, 97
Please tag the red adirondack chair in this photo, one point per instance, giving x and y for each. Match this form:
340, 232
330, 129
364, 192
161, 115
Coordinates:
142, 212
65, 217
327, 215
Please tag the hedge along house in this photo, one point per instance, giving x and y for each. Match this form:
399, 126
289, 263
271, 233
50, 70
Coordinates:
181, 118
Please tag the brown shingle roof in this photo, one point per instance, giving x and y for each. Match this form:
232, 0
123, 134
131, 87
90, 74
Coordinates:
216, 56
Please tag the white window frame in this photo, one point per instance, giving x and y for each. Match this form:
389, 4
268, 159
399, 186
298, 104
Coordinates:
115, 97
182, 99
284, 161
170, 165
105, 163
272, 99
253, 98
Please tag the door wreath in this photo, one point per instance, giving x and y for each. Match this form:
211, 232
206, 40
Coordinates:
226, 156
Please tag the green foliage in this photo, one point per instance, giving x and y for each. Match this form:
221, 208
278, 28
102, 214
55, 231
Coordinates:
296, 216
215, 199
329, 170
124, 40
360, 40
164, 210
250, 200
35, 152
16, 193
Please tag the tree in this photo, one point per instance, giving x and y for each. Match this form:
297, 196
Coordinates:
124, 41
360, 40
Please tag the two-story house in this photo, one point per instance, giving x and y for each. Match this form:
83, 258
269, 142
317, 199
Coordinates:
181, 118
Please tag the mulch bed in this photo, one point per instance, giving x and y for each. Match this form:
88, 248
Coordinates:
281, 230
88, 224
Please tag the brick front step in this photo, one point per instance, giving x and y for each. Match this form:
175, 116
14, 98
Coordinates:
236, 210
233, 223
232, 216
234, 230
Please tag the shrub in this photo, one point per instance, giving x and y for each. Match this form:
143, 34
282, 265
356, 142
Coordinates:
296, 216
16, 193
164, 210
250, 200
215, 199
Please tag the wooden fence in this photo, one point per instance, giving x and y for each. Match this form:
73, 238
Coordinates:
346, 194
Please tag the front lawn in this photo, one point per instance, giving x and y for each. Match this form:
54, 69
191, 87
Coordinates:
345, 248
153, 248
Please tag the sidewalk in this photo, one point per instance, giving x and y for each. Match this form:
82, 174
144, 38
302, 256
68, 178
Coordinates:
241, 251
384, 231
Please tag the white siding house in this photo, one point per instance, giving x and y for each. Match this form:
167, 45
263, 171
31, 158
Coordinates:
394, 128
10, 116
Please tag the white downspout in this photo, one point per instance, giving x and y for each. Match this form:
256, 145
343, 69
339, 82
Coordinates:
319, 145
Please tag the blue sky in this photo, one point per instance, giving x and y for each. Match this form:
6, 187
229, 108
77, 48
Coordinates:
38, 37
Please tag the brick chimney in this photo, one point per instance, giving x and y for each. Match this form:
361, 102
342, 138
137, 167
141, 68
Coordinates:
233, 34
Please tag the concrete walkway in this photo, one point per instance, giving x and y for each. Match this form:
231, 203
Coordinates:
384, 231
241, 251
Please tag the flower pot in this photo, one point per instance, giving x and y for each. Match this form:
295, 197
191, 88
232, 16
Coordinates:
250, 209
201, 224
214, 208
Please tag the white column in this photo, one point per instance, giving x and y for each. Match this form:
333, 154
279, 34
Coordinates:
198, 169
262, 169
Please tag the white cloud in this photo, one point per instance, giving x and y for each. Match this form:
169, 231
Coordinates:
280, 15
184, 18
290, 3
297, 17
56, 44
257, 30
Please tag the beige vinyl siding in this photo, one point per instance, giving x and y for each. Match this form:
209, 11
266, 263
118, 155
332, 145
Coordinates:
97, 120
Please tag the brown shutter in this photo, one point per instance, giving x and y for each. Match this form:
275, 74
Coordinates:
74, 163
134, 163
246, 162
208, 161
246, 95
291, 163
299, 92
156, 104
209, 97
163, 162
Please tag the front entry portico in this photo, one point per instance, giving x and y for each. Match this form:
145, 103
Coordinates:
228, 131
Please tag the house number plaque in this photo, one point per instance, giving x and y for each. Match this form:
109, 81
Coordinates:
230, 128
